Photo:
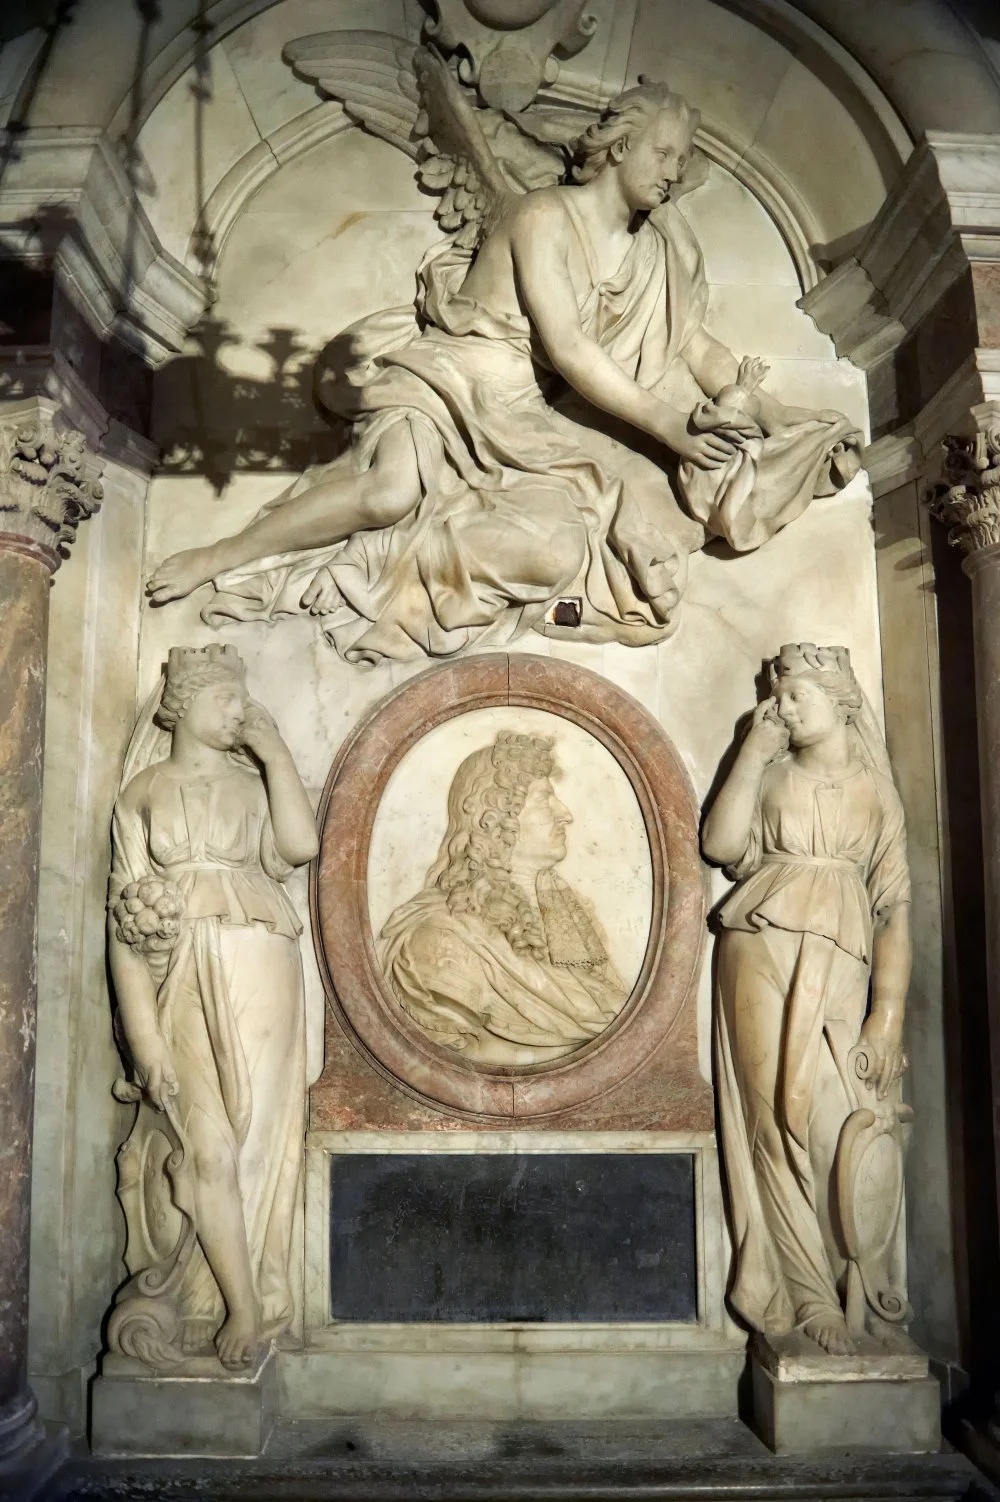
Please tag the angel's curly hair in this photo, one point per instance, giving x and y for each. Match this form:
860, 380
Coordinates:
485, 800
626, 116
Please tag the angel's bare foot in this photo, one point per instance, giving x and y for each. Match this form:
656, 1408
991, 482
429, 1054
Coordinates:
323, 596
661, 580
179, 574
238, 1340
830, 1331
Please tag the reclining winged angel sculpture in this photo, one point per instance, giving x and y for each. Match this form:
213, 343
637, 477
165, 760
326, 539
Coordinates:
549, 419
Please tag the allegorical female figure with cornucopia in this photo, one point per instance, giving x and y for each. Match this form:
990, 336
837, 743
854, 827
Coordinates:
204, 955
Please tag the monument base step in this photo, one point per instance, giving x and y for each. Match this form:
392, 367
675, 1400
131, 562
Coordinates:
199, 1409
366, 1460
881, 1398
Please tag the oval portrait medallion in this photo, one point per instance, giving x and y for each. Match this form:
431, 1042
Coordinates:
510, 886
509, 902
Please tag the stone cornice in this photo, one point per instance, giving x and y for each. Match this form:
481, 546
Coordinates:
49, 479
66, 198
942, 214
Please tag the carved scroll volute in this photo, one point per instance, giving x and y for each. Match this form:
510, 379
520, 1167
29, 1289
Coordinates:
510, 48
49, 480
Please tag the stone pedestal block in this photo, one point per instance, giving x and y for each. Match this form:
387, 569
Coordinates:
883, 1398
198, 1410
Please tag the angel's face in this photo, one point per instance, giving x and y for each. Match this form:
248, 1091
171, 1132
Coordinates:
654, 159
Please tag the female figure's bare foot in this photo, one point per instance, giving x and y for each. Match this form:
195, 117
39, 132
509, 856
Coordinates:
830, 1331
196, 1336
179, 574
238, 1340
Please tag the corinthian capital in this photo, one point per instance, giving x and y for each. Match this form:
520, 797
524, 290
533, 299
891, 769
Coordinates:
48, 479
968, 499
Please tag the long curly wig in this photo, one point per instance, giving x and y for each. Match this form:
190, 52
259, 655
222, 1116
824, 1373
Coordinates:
473, 867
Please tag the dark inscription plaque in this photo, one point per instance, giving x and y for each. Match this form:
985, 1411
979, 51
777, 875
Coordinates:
498, 1236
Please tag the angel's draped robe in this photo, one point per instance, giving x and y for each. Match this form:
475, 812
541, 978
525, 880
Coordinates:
527, 493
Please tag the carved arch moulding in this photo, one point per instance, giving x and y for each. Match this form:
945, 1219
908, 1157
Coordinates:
624, 967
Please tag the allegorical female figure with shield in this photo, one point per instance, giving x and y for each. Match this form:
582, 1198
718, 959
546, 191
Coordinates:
810, 824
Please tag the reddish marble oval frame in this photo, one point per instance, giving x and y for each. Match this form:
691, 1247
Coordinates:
664, 992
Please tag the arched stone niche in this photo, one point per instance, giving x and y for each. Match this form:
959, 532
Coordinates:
655, 1025
776, 93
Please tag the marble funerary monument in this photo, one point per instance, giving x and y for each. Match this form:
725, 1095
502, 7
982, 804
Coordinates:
498, 886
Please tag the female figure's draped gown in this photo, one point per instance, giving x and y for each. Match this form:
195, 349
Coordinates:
823, 861
230, 1008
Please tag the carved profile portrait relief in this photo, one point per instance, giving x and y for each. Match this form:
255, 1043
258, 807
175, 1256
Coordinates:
515, 920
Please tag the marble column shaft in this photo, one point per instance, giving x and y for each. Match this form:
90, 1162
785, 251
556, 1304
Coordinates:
47, 487
25, 577
968, 502
983, 567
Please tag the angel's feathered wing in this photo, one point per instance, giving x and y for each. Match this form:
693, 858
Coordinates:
370, 74
477, 159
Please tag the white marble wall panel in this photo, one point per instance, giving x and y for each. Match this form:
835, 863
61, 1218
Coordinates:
807, 125
727, 66
751, 255
188, 144
334, 235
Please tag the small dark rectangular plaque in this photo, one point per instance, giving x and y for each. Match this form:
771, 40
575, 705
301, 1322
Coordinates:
523, 1236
